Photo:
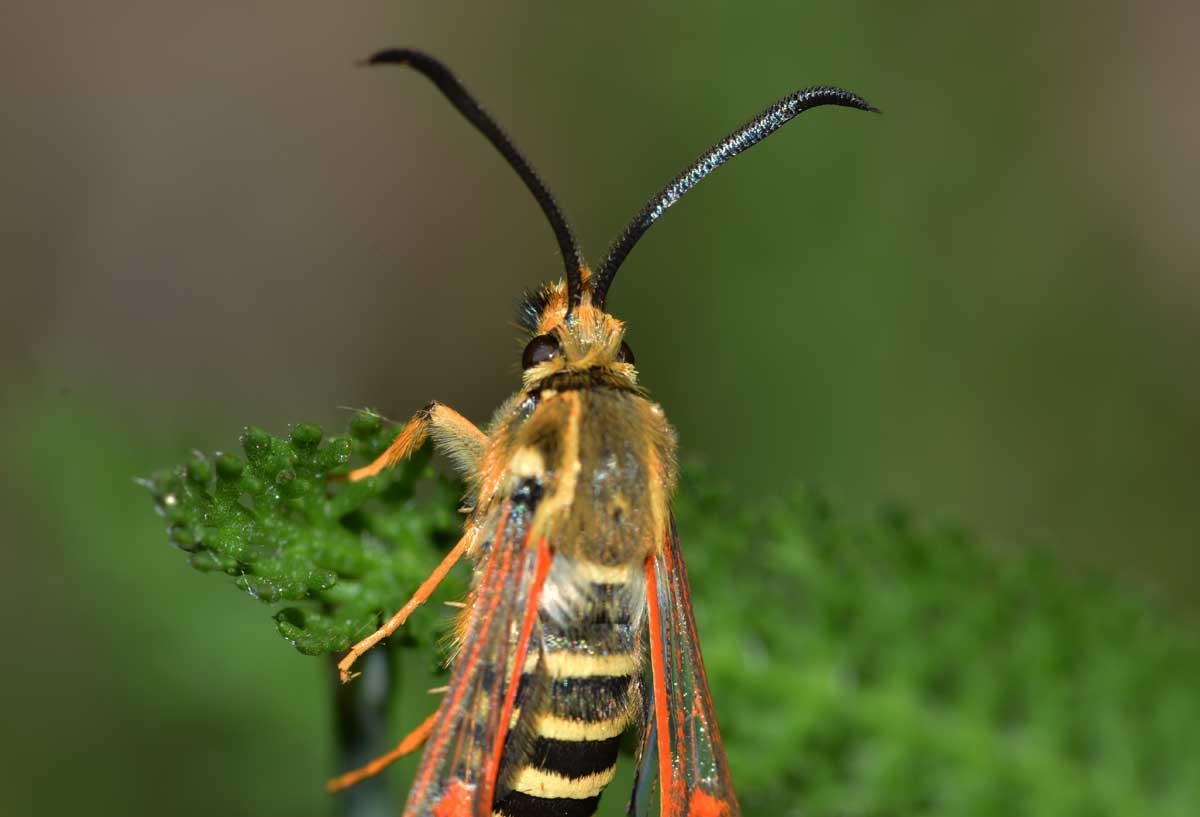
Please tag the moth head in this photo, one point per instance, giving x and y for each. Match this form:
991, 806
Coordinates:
570, 329
561, 339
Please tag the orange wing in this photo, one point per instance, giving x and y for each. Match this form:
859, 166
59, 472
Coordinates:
681, 727
459, 768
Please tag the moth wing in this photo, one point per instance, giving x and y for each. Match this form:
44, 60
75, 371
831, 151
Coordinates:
694, 779
459, 770
646, 772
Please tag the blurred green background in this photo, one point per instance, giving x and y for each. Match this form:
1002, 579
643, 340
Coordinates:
982, 305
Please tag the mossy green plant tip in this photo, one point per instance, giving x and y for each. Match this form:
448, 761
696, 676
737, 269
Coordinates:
333, 557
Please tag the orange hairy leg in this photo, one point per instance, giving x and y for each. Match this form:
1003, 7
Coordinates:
411, 742
460, 440
418, 598
453, 434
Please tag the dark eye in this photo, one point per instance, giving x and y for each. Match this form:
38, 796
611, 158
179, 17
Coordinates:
539, 350
625, 355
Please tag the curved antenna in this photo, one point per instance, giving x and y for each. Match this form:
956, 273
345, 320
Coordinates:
745, 137
461, 99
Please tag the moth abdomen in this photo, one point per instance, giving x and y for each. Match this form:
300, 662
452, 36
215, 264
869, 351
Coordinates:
589, 664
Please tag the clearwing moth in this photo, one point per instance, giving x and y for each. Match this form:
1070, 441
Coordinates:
579, 622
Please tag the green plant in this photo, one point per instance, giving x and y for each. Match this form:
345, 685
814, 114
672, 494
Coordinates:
860, 668
329, 555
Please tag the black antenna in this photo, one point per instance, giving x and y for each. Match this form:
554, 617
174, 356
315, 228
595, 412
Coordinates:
461, 99
745, 137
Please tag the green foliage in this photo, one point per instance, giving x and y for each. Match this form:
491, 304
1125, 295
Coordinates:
860, 669
332, 555
871, 669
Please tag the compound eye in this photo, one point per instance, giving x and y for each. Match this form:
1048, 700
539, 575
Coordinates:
539, 350
625, 354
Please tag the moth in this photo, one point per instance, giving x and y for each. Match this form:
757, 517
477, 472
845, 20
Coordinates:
579, 622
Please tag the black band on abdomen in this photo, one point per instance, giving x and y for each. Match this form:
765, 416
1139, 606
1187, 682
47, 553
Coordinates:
517, 804
574, 758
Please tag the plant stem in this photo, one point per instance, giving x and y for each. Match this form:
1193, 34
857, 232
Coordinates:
361, 723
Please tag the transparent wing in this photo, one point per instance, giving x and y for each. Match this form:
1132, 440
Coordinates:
692, 769
645, 774
459, 769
